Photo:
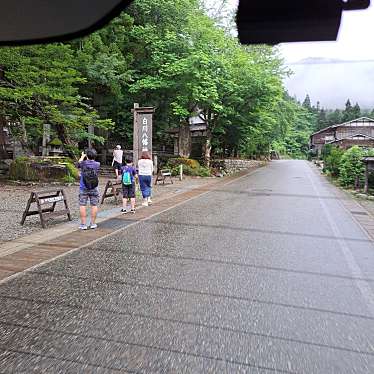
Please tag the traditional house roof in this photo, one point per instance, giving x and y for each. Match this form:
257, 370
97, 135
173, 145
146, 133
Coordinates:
361, 119
193, 128
352, 137
368, 159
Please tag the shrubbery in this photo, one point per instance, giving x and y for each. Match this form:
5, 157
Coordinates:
347, 165
190, 167
332, 161
352, 169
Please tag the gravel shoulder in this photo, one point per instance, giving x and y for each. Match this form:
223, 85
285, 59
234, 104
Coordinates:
14, 197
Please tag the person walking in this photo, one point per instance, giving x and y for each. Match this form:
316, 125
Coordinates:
88, 187
128, 173
145, 171
117, 160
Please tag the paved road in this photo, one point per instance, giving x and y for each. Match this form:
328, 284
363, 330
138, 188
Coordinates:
267, 274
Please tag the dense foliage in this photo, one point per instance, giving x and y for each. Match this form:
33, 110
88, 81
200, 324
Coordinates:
161, 53
347, 165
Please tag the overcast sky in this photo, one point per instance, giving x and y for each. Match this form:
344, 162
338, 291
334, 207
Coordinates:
355, 40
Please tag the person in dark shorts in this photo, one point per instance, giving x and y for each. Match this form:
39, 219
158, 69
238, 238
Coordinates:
128, 173
88, 187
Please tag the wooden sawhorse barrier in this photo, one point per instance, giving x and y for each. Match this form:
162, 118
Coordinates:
162, 175
42, 198
112, 188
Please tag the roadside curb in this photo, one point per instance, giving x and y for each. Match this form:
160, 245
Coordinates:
31, 255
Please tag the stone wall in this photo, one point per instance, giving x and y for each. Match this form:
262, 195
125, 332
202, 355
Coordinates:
231, 166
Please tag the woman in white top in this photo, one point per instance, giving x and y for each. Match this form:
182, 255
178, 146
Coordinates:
145, 171
117, 160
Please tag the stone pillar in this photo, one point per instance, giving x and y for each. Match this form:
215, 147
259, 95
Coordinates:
155, 164
135, 140
3, 138
46, 139
176, 148
91, 131
184, 141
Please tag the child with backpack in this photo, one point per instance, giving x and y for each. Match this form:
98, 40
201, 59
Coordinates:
128, 173
88, 187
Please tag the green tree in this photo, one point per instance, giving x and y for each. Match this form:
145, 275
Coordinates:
45, 89
352, 168
334, 117
356, 111
350, 113
333, 161
306, 103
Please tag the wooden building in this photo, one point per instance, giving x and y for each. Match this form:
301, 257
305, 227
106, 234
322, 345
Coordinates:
359, 132
189, 140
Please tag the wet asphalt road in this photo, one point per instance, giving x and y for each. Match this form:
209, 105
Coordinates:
267, 274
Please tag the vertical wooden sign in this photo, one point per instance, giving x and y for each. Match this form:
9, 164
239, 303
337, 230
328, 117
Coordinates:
142, 139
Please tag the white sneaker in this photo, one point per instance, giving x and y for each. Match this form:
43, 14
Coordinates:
93, 226
82, 227
149, 201
145, 203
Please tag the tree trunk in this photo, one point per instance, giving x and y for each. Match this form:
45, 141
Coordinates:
184, 140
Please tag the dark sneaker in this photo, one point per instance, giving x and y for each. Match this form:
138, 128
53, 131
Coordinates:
124, 211
132, 211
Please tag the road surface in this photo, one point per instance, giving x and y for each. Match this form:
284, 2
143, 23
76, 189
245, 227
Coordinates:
268, 274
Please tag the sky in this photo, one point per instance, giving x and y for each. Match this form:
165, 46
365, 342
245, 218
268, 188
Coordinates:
354, 40
332, 84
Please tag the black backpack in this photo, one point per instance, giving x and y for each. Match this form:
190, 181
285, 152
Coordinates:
90, 178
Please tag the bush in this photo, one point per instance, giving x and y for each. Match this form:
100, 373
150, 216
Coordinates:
72, 171
201, 171
333, 161
68, 179
173, 162
352, 169
326, 150
72, 150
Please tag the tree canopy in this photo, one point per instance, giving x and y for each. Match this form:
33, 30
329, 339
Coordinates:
161, 53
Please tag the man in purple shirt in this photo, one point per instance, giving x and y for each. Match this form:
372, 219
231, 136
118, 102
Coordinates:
88, 187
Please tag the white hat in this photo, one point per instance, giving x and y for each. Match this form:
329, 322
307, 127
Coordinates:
118, 146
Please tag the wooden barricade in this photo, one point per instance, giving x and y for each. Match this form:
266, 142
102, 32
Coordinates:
162, 175
112, 188
42, 198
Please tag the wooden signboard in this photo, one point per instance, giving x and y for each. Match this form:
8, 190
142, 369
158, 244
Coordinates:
42, 198
142, 139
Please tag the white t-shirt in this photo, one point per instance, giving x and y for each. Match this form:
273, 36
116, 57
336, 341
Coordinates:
145, 166
117, 156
